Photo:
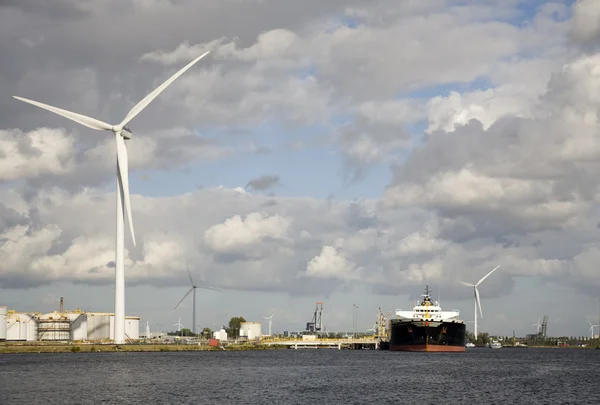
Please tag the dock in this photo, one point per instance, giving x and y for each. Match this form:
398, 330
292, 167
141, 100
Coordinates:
339, 344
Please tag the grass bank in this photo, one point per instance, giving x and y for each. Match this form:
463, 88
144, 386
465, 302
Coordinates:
8, 348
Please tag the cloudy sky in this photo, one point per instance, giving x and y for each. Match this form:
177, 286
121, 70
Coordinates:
341, 151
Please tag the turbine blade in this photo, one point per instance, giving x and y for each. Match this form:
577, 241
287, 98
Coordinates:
209, 288
81, 119
478, 301
190, 274
148, 99
186, 294
487, 275
124, 175
467, 284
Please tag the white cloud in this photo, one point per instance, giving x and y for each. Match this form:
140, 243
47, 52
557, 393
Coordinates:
245, 237
33, 153
332, 263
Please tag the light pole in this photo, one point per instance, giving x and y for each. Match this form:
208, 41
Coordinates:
354, 307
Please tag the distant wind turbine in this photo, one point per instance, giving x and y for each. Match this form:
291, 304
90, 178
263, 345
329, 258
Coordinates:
179, 326
193, 288
270, 318
538, 325
592, 329
477, 300
121, 133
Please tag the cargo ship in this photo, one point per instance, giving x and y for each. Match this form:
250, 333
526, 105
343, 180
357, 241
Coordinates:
427, 329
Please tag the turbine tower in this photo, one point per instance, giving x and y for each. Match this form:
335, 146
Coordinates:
121, 133
193, 288
269, 318
477, 301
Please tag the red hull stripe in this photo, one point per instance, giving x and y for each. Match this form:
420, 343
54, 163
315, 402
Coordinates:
426, 348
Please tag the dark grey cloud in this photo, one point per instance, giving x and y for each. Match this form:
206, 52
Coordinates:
264, 182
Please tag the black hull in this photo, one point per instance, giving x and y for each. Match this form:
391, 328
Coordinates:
448, 336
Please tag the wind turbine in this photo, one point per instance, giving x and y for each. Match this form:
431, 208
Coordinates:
270, 318
121, 133
179, 326
538, 325
477, 301
592, 329
194, 286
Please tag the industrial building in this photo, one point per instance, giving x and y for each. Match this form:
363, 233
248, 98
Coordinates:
220, 335
250, 330
63, 326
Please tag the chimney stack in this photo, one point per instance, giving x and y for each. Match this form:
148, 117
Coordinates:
62, 309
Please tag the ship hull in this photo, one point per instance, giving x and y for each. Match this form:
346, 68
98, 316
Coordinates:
423, 336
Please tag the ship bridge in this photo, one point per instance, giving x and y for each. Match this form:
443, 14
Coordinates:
428, 310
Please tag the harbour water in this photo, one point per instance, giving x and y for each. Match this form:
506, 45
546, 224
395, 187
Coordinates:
478, 376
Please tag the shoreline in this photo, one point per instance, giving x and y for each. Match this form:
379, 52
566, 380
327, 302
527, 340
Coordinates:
132, 348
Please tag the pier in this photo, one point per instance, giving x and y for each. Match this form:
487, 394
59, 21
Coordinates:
339, 344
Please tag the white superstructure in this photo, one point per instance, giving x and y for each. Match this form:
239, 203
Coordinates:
428, 310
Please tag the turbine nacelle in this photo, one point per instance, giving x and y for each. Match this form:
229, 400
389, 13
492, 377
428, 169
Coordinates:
126, 133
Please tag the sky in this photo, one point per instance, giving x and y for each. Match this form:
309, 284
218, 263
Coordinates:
347, 152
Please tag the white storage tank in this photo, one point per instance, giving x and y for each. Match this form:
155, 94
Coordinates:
21, 326
79, 325
3, 311
54, 327
251, 329
99, 325
132, 327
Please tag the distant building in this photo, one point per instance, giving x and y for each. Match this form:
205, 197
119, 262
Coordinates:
220, 335
251, 330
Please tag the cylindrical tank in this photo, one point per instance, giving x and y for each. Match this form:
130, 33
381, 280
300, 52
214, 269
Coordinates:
54, 327
3, 311
132, 327
251, 329
98, 326
79, 325
27, 326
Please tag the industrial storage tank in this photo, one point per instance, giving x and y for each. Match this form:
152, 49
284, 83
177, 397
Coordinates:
132, 327
54, 327
3, 311
252, 330
21, 326
79, 325
99, 325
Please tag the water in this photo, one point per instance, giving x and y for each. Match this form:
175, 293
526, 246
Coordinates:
479, 376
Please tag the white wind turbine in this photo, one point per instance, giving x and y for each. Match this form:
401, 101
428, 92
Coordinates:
193, 288
179, 326
121, 133
269, 318
592, 329
477, 301
538, 325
